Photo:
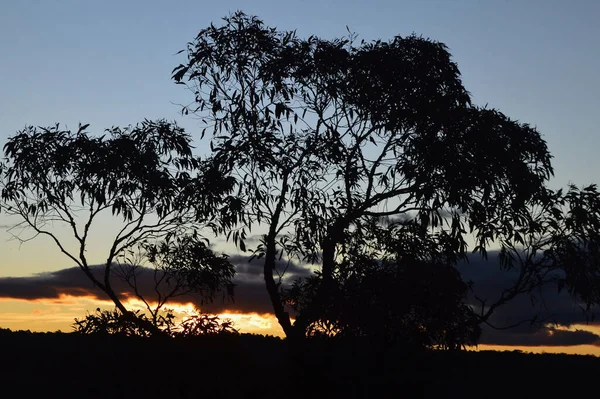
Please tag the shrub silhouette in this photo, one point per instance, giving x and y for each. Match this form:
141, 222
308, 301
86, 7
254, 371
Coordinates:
113, 322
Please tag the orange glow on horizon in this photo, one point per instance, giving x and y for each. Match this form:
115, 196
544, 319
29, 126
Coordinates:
569, 350
52, 314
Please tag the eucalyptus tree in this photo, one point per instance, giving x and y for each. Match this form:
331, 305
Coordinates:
328, 137
145, 177
558, 243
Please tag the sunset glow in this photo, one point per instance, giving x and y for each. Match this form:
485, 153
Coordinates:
573, 349
59, 314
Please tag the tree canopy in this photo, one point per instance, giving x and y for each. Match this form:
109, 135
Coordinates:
147, 177
331, 139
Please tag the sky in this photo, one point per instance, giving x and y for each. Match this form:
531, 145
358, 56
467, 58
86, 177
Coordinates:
108, 63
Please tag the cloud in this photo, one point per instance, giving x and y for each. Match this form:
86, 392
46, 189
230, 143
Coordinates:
250, 293
546, 336
547, 305
547, 302
254, 269
251, 297
53, 285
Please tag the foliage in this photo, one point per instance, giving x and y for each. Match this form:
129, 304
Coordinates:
179, 266
187, 259
326, 137
409, 293
201, 324
145, 175
113, 322
558, 243
110, 322
130, 171
416, 305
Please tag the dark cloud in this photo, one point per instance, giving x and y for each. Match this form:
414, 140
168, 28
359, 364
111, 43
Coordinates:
547, 306
250, 296
253, 269
71, 281
540, 337
250, 292
547, 303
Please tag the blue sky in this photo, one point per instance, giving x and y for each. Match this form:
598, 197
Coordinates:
109, 62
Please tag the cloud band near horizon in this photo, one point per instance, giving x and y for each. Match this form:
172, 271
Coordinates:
251, 297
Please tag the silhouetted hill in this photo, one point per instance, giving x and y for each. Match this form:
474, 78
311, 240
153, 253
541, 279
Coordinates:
65, 365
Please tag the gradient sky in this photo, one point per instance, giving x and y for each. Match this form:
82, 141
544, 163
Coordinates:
108, 63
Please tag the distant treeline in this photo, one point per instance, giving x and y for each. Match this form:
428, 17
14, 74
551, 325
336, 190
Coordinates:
231, 366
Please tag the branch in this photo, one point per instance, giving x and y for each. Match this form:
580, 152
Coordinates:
371, 174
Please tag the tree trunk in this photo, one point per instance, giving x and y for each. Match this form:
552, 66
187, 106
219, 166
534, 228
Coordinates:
283, 317
107, 289
319, 304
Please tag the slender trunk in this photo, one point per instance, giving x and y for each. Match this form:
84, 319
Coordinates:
283, 317
140, 323
107, 288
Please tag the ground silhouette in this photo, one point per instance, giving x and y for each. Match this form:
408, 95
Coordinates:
230, 366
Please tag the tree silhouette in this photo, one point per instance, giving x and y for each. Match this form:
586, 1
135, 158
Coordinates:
145, 175
106, 322
326, 137
400, 297
556, 242
179, 266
